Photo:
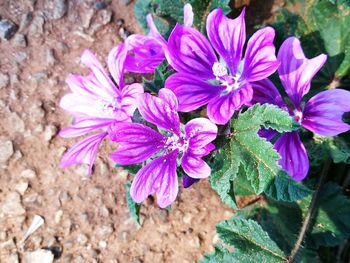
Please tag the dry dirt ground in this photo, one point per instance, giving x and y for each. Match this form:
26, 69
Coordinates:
86, 218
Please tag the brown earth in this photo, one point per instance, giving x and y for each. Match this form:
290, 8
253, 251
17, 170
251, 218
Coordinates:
86, 218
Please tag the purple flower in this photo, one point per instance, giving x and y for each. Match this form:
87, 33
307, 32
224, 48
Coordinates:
222, 84
185, 145
145, 53
96, 103
322, 114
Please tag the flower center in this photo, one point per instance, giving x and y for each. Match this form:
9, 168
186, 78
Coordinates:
175, 142
225, 79
109, 107
297, 115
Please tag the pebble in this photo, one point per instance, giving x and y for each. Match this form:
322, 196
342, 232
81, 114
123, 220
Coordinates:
8, 245
78, 259
102, 244
50, 132
38, 256
12, 205
82, 170
25, 20
20, 56
104, 231
100, 5
28, 173
58, 216
49, 57
37, 26
36, 241
6, 150
16, 124
4, 80
103, 211
84, 218
105, 16
31, 198
82, 239
12, 258
3, 235
56, 9
187, 218
7, 29
38, 78
36, 112
21, 187
86, 18
19, 40
194, 242
124, 33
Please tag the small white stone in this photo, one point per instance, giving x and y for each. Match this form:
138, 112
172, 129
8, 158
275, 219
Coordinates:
12, 205
50, 132
102, 244
38, 256
58, 216
21, 187
28, 173
6, 150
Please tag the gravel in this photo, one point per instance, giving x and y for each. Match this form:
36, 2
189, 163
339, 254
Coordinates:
6, 150
7, 29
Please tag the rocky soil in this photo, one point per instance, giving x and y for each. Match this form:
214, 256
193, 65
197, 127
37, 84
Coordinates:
85, 218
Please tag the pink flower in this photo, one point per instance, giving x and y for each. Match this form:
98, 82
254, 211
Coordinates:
96, 102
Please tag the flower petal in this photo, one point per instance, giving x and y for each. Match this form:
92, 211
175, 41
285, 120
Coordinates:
79, 105
116, 61
169, 97
194, 166
221, 109
154, 31
98, 77
294, 159
188, 15
83, 151
296, 71
145, 53
158, 176
188, 51
130, 98
323, 113
84, 125
264, 91
136, 142
159, 112
260, 59
188, 181
227, 37
200, 132
192, 92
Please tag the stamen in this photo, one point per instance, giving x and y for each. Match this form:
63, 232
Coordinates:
219, 70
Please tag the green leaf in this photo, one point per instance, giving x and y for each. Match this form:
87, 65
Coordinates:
256, 154
284, 188
166, 13
161, 73
134, 208
322, 27
332, 222
223, 174
132, 168
222, 255
250, 240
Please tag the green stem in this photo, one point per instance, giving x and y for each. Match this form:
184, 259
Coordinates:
310, 213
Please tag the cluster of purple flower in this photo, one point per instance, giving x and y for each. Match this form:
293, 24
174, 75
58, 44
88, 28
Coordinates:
210, 72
